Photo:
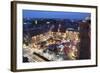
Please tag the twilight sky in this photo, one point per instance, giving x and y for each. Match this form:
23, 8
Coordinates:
54, 14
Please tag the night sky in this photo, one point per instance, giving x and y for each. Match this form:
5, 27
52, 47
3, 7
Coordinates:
54, 14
